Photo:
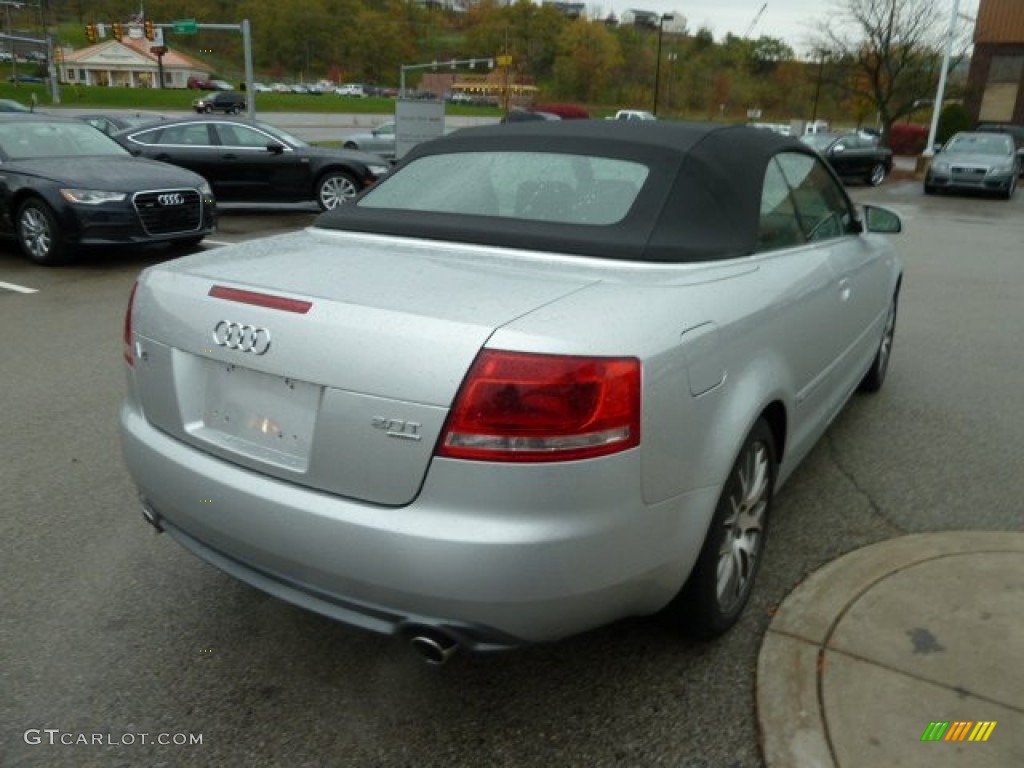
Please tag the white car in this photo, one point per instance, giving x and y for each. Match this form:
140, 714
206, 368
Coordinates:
633, 114
351, 89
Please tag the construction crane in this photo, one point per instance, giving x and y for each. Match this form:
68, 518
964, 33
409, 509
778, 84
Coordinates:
757, 18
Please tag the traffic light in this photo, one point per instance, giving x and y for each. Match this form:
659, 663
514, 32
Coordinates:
90, 33
117, 30
149, 29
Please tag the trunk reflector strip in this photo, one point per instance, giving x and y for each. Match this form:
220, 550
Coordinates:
261, 299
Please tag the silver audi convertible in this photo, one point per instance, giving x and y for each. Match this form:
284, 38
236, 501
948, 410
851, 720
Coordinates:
541, 377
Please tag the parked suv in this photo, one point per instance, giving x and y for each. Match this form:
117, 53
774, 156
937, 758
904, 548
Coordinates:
229, 102
1016, 131
351, 89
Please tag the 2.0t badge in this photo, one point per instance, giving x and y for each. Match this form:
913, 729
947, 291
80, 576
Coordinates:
244, 338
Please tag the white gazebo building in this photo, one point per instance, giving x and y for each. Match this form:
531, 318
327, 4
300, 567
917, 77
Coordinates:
130, 62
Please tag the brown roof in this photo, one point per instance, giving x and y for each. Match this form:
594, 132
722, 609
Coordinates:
1000, 21
172, 58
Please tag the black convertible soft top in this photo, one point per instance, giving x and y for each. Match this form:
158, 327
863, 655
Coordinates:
701, 200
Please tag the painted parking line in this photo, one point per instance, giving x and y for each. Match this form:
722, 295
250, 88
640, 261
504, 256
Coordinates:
208, 241
17, 288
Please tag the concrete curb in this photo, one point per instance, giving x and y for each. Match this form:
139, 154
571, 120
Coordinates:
871, 648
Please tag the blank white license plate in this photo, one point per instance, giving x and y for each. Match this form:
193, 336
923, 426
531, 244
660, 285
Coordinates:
261, 415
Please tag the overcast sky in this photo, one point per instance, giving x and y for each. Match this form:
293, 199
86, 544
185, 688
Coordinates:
790, 20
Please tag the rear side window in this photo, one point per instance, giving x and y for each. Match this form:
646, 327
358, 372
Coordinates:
821, 206
148, 137
187, 134
533, 186
779, 226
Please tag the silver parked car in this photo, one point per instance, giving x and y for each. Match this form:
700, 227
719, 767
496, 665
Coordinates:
978, 161
541, 377
380, 140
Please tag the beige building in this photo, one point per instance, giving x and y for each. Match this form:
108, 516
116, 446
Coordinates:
129, 62
996, 81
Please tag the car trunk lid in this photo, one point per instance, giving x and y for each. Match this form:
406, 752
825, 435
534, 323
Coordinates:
348, 394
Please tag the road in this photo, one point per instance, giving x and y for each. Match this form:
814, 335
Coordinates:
110, 630
309, 126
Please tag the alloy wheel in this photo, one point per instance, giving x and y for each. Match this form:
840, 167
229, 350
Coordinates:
336, 190
35, 233
885, 348
744, 526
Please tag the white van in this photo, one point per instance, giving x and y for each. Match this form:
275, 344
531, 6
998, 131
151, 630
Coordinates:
351, 89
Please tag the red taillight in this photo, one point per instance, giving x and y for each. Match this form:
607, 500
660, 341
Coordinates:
129, 334
515, 406
261, 299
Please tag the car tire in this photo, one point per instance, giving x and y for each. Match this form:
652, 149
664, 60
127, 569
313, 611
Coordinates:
39, 235
722, 579
236, 110
877, 175
335, 188
1008, 194
929, 189
875, 377
208, 109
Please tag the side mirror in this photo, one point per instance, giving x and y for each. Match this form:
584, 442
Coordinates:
881, 220
274, 148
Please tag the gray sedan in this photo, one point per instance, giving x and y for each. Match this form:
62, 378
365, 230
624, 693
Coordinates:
542, 377
975, 161
380, 140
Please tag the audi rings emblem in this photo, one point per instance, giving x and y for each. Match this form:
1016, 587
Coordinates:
244, 338
170, 199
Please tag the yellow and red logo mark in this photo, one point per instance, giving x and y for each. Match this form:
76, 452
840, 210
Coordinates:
958, 730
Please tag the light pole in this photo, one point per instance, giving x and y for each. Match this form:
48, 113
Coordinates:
940, 92
817, 88
657, 64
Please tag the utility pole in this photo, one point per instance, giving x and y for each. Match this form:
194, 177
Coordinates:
817, 87
940, 93
657, 64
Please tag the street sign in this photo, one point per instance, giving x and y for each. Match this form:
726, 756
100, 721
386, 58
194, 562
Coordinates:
185, 26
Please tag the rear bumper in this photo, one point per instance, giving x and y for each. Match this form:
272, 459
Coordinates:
492, 556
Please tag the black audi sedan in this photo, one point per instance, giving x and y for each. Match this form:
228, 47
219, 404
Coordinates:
853, 155
65, 185
247, 161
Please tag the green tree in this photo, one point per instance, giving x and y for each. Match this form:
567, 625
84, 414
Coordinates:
588, 59
952, 119
527, 32
889, 51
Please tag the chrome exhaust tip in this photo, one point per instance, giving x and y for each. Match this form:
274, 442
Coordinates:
435, 648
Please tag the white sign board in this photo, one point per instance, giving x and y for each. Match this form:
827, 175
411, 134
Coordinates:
417, 121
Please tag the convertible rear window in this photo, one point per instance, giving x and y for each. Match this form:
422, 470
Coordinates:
534, 186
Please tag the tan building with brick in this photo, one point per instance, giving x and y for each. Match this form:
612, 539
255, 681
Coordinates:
996, 79
129, 62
